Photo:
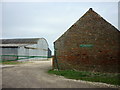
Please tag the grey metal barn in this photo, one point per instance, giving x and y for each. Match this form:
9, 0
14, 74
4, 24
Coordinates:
24, 48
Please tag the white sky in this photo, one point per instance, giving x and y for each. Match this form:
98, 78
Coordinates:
49, 19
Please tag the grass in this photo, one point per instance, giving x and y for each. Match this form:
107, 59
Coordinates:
12, 62
109, 78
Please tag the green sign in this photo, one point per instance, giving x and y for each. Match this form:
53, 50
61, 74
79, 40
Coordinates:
86, 45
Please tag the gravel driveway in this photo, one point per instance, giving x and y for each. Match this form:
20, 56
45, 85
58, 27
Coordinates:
34, 75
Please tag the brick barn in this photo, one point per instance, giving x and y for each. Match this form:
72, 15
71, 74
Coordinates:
90, 44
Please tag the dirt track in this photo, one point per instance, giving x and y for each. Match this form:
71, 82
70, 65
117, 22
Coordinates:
34, 75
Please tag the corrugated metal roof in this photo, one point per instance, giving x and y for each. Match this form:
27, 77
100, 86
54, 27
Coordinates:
12, 45
20, 41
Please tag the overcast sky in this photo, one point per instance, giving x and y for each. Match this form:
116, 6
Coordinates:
49, 19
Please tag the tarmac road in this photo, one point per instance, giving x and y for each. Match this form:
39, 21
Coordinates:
34, 75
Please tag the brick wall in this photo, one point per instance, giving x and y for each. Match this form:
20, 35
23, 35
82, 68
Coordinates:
90, 29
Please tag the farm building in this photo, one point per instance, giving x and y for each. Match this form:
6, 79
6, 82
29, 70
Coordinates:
17, 49
90, 44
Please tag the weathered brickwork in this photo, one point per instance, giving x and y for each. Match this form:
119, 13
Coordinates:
90, 44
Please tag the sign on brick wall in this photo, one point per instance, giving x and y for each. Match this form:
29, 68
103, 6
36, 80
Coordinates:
86, 45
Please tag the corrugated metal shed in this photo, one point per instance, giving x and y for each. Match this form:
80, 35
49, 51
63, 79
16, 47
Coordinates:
24, 47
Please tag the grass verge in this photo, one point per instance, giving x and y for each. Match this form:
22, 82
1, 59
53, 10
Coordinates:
12, 62
109, 78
